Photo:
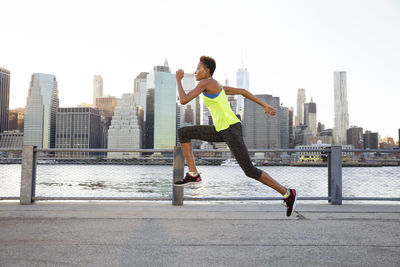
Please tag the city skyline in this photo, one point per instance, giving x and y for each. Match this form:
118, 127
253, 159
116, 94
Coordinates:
377, 130
301, 45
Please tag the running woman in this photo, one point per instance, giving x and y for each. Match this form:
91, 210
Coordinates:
227, 128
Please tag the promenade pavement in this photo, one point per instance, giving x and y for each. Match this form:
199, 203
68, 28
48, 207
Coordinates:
196, 234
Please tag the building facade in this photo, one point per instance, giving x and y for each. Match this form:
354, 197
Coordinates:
206, 116
354, 137
242, 81
125, 131
161, 108
106, 106
97, 88
16, 119
259, 131
4, 98
292, 127
311, 140
77, 128
11, 139
40, 111
284, 126
310, 116
192, 112
301, 99
341, 115
140, 97
371, 140
139, 90
299, 135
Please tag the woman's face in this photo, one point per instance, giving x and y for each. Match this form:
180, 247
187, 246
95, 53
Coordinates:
201, 72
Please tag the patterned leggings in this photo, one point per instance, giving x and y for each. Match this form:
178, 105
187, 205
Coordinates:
233, 138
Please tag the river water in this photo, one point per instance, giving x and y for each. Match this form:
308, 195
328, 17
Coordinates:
156, 181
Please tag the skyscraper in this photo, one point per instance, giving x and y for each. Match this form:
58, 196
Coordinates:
191, 113
161, 108
259, 131
284, 126
106, 106
40, 111
139, 90
370, 140
355, 137
341, 119
140, 95
97, 88
4, 98
291, 127
301, 99
125, 131
242, 81
310, 116
77, 128
16, 119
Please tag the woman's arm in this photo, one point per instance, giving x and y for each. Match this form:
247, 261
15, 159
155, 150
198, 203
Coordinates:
236, 91
186, 98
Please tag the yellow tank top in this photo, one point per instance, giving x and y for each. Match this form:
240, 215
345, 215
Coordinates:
220, 110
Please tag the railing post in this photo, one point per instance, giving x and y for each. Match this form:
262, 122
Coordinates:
335, 175
28, 175
329, 175
177, 191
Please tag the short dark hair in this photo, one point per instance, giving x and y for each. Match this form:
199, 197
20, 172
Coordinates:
209, 63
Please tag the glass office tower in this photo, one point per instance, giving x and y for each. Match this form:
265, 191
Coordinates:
40, 111
161, 108
4, 98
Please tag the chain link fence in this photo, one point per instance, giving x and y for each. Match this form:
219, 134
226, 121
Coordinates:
371, 175
10, 174
104, 175
148, 175
222, 177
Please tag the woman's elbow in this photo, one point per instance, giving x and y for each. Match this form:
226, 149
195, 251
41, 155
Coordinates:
183, 102
243, 92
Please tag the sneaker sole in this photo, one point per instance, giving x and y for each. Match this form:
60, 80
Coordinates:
294, 203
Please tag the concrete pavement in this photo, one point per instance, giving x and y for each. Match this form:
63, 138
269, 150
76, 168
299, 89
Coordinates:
159, 234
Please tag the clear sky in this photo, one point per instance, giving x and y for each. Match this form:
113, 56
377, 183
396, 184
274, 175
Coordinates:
286, 45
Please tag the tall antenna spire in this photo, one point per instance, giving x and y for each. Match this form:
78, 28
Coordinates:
242, 60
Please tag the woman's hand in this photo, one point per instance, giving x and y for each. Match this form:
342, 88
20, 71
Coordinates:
179, 74
269, 110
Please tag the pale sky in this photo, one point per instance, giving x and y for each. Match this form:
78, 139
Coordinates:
286, 45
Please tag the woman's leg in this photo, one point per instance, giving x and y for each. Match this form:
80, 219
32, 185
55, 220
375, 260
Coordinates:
233, 137
269, 181
188, 153
200, 132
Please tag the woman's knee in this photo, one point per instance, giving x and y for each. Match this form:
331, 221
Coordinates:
253, 173
183, 135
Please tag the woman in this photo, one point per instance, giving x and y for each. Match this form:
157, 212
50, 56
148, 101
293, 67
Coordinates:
227, 128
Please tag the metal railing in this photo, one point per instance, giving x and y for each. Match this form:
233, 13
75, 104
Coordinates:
333, 164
